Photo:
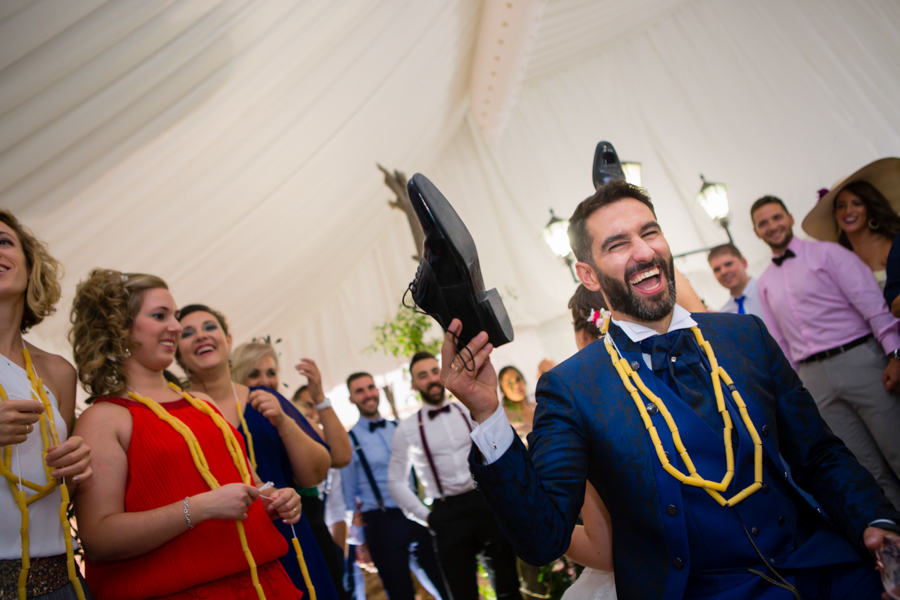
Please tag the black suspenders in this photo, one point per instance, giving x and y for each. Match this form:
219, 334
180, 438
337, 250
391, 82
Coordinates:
368, 471
425, 447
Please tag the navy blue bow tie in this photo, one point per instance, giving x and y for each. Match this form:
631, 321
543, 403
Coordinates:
780, 259
377, 424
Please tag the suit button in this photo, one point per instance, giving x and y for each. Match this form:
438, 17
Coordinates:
781, 520
671, 510
652, 409
674, 359
677, 563
765, 488
667, 455
754, 531
774, 561
635, 365
765, 430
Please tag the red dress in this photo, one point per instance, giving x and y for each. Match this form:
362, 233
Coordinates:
206, 561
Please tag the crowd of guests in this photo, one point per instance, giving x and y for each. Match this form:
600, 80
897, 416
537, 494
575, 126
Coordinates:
216, 485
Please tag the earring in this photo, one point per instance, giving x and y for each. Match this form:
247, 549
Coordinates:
127, 353
873, 224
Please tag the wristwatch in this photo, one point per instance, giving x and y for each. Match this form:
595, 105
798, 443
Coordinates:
894, 354
326, 403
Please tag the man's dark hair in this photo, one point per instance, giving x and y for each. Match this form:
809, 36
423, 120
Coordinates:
417, 357
299, 391
356, 376
724, 249
579, 238
582, 302
762, 202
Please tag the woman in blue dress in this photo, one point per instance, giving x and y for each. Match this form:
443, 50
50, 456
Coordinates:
282, 445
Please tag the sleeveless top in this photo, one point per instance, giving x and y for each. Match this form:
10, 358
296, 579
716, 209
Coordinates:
44, 530
161, 472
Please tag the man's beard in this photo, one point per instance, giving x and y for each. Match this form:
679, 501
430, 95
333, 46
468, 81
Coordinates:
624, 299
787, 240
433, 395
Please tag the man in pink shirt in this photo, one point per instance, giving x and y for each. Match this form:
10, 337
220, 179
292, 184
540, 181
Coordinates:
824, 308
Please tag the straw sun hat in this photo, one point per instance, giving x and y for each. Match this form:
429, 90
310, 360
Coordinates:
884, 174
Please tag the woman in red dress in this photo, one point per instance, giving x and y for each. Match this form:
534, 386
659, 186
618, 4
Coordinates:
173, 509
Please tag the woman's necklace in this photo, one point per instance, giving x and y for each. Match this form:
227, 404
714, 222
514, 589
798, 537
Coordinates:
234, 449
17, 484
200, 459
243, 422
716, 372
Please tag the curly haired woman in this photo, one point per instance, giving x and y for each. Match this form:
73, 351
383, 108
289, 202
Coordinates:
173, 509
35, 442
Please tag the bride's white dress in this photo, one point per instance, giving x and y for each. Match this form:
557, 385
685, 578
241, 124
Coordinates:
592, 585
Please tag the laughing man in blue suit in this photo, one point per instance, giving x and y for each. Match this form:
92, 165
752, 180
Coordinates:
702, 538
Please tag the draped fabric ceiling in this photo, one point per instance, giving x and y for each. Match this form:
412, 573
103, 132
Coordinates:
230, 146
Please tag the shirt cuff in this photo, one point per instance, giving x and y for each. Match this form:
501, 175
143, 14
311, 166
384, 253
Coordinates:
890, 342
494, 436
876, 522
356, 535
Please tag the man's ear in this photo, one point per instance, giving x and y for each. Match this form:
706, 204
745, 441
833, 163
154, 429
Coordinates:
588, 276
744, 262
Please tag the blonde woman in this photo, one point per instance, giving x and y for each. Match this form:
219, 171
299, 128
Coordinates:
173, 509
255, 364
29, 291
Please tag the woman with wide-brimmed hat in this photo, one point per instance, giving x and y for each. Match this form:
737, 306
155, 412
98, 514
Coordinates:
860, 213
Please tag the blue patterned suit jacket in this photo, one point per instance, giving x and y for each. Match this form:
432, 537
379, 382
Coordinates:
587, 427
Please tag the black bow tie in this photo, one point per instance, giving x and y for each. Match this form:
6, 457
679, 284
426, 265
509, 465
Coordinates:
436, 411
377, 424
780, 259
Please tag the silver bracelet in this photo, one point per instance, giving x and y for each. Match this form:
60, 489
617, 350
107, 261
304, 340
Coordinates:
326, 403
187, 515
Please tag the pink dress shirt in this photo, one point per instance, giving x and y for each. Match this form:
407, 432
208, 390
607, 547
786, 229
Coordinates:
823, 298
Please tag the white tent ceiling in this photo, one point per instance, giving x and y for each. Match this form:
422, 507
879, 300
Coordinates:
229, 146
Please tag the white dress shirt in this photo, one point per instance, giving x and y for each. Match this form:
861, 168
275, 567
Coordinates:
495, 435
752, 305
333, 492
448, 440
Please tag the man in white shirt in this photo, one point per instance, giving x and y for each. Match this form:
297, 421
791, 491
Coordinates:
730, 268
436, 442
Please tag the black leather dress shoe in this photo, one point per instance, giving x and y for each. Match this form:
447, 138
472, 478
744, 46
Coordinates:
448, 283
606, 165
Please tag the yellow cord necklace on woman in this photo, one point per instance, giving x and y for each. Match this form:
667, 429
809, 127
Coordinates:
17, 484
626, 373
234, 449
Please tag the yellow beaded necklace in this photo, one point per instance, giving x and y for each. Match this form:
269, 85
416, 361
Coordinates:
716, 372
17, 484
234, 449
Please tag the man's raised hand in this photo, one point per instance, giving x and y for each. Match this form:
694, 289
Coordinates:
469, 374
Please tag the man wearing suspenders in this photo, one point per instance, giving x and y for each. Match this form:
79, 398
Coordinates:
436, 442
395, 543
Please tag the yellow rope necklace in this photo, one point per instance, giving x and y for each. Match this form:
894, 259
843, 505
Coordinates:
243, 422
252, 454
17, 484
234, 449
712, 488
